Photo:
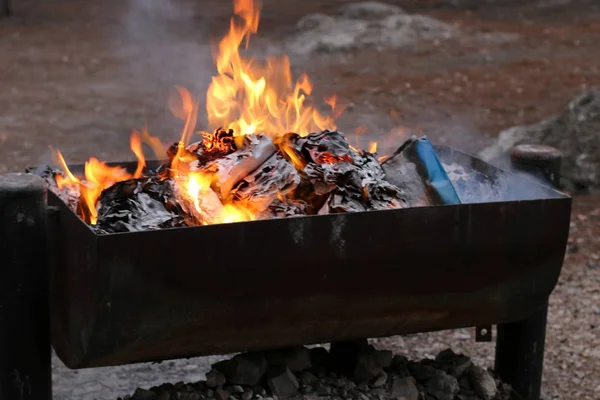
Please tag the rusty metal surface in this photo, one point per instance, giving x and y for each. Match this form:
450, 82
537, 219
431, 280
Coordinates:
218, 289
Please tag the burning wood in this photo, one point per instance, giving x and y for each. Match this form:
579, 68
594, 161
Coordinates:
248, 168
320, 173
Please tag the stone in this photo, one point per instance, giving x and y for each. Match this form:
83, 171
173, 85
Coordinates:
247, 395
322, 389
243, 369
404, 388
400, 365
236, 389
575, 132
143, 394
442, 386
367, 365
465, 383
365, 25
164, 396
282, 381
452, 363
215, 378
297, 359
307, 378
320, 357
422, 371
221, 394
380, 380
482, 381
385, 357
369, 10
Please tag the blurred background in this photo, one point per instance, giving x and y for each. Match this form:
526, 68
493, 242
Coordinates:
81, 75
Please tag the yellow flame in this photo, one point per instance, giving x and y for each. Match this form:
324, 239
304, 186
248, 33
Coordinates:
245, 95
372, 147
252, 97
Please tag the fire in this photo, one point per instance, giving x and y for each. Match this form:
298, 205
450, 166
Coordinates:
98, 176
251, 97
373, 147
246, 96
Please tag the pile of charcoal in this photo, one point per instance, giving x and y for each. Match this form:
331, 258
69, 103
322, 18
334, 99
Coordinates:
350, 370
286, 176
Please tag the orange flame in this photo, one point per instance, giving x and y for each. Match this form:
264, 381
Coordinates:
98, 176
372, 147
249, 97
246, 96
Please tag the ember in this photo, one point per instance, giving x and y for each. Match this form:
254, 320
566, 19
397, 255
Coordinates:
269, 154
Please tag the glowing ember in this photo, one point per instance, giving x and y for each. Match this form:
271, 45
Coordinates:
246, 97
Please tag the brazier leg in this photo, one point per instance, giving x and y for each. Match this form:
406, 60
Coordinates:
520, 345
25, 368
520, 354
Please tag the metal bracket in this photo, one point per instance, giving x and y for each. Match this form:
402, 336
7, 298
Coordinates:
483, 333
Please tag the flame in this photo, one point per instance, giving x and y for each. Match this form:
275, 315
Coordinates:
250, 97
155, 144
136, 146
98, 176
373, 147
246, 96
208, 207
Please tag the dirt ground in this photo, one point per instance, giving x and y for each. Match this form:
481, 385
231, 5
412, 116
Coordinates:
80, 75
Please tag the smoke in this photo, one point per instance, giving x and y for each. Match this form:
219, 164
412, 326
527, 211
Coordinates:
480, 183
164, 44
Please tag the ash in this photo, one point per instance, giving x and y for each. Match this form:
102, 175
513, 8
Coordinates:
349, 370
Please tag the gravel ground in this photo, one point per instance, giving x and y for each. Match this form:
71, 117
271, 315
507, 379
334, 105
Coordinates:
81, 75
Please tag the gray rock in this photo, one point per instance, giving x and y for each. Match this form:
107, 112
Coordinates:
320, 357
362, 25
247, 395
442, 386
221, 394
369, 10
385, 357
282, 381
367, 365
163, 396
575, 131
243, 369
400, 365
482, 381
404, 388
380, 380
215, 378
143, 394
322, 389
307, 378
297, 359
452, 363
236, 389
422, 371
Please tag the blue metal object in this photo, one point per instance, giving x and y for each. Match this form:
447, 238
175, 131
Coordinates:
436, 174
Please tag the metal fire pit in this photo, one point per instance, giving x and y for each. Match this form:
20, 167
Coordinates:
173, 293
